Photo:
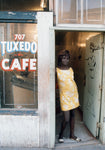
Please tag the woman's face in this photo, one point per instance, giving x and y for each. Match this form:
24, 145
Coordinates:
65, 60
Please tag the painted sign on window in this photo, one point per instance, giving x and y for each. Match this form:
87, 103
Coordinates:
18, 45
18, 65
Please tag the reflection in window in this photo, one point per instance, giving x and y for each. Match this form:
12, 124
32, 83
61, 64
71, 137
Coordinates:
80, 12
69, 11
94, 11
23, 5
18, 71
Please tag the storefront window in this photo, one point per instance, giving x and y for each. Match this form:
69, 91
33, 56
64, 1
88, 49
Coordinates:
18, 65
23, 5
69, 11
80, 12
94, 12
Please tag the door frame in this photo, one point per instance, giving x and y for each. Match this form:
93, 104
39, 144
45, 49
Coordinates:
52, 31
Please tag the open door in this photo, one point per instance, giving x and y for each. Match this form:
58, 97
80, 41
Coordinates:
93, 72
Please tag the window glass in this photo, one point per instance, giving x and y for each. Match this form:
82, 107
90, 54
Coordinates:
94, 12
18, 65
23, 5
80, 12
69, 11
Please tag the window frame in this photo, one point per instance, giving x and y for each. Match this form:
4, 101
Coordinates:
18, 17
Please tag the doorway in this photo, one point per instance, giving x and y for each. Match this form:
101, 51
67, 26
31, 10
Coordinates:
86, 52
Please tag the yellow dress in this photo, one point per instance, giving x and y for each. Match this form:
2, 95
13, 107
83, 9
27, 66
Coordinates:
68, 89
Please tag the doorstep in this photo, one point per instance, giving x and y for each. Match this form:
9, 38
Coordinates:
71, 143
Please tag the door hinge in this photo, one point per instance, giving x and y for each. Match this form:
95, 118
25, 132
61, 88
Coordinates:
101, 87
99, 125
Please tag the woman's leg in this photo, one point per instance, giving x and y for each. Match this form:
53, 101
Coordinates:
64, 123
72, 123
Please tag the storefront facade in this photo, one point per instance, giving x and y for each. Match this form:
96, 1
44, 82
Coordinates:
27, 66
22, 111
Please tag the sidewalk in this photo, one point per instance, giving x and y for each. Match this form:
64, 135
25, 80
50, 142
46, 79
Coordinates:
85, 147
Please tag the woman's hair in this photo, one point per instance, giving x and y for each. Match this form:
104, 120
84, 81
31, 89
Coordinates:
60, 56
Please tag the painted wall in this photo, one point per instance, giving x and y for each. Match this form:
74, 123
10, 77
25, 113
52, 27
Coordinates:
19, 131
46, 73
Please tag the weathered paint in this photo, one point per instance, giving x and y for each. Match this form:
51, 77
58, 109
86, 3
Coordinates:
92, 93
18, 112
45, 21
19, 131
51, 131
102, 121
12, 16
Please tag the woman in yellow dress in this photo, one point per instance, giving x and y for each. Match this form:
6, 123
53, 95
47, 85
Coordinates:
69, 99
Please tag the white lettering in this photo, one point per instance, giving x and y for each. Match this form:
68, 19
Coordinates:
32, 64
27, 46
15, 65
2, 47
33, 47
15, 48
3, 64
25, 63
21, 46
